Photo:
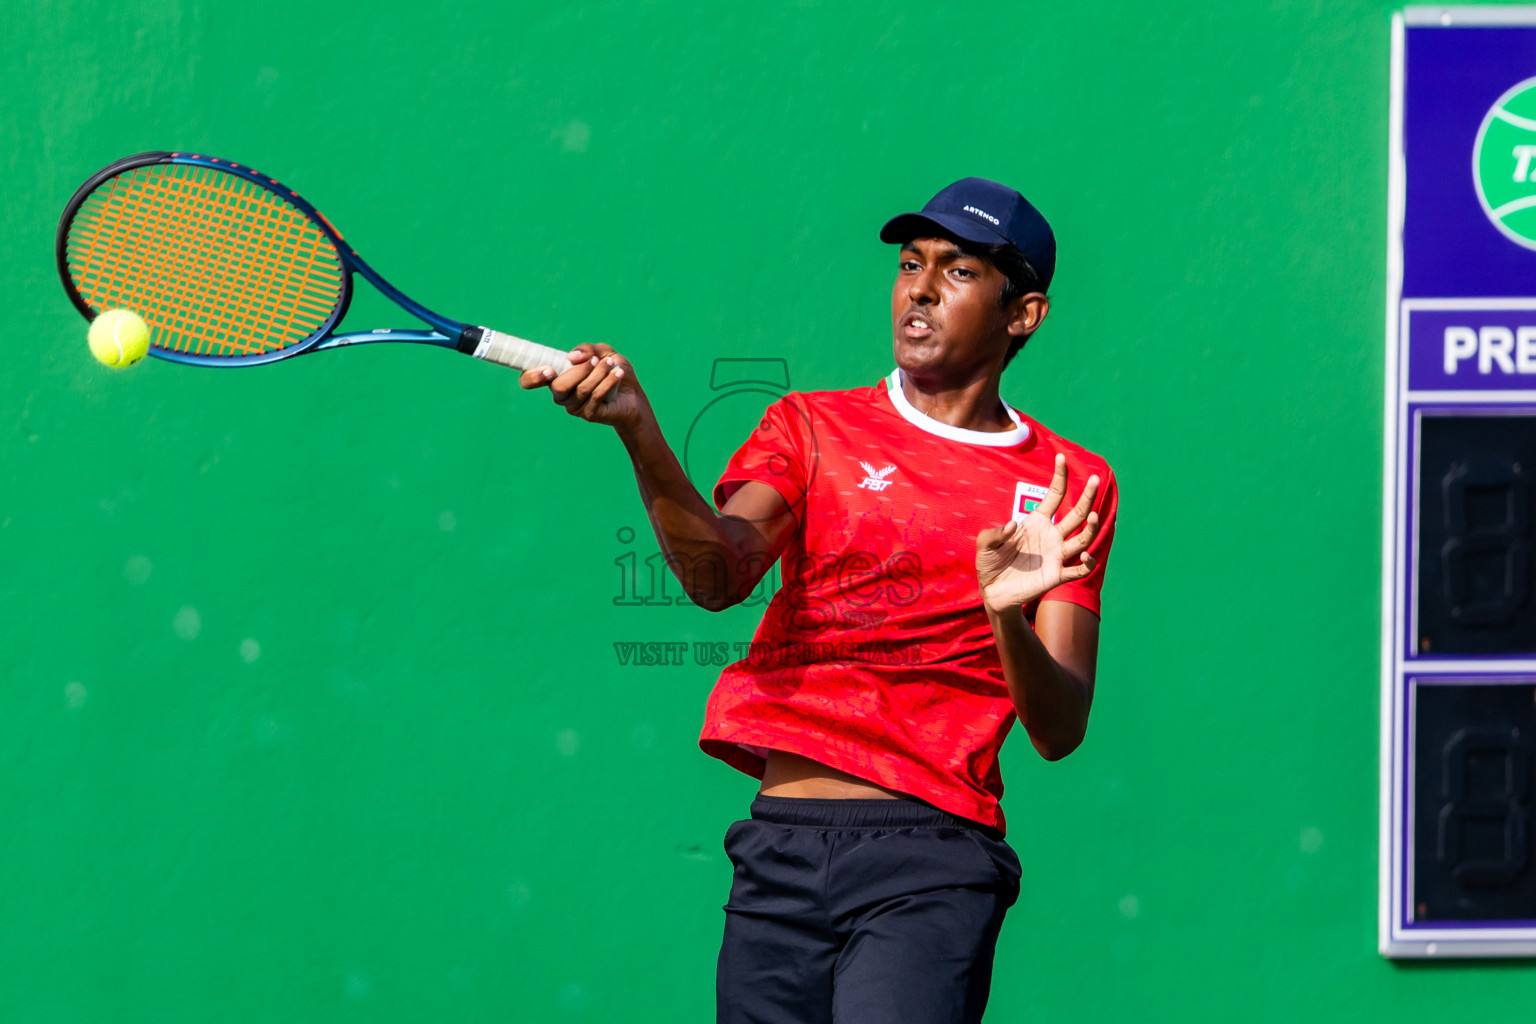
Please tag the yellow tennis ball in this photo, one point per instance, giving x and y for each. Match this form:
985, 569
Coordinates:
119, 338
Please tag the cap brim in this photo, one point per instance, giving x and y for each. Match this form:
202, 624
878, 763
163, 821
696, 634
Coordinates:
907, 226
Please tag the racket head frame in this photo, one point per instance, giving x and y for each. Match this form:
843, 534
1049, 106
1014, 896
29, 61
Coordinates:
445, 332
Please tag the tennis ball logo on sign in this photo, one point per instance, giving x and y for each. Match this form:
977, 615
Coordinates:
1504, 164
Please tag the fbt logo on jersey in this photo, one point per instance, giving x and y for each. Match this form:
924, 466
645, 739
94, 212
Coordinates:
1027, 498
875, 479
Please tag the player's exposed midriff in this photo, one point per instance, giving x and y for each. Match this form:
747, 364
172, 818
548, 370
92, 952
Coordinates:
793, 775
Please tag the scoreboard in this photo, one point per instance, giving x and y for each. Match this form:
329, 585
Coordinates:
1458, 814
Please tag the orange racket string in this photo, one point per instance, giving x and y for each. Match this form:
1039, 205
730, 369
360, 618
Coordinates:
131, 232
90, 216
224, 306
171, 289
140, 227
235, 306
308, 257
225, 312
287, 228
156, 232
216, 264
277, 222
127, 225
114, 225
238, 214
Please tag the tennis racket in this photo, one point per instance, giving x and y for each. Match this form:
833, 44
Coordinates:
228, 267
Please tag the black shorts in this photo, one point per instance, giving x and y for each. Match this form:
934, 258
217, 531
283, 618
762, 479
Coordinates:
866, 911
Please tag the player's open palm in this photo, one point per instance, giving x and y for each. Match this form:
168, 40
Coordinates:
1020, 561
600, 386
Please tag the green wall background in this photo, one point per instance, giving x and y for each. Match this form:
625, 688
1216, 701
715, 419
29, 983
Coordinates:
309, 705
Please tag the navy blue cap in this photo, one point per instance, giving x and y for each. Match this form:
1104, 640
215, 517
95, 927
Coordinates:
978, 210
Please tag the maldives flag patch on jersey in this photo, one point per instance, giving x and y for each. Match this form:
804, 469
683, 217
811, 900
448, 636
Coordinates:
1027, 498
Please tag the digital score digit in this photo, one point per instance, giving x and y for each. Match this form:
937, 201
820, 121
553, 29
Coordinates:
1471, 801
1473, 553
1458, 729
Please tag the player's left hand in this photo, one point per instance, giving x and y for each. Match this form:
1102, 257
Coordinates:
1020, 561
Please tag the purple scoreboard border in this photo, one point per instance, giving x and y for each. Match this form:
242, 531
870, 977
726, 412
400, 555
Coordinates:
1449, 65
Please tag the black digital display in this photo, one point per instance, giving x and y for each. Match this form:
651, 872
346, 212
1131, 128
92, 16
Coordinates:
1474, 752
1474, 535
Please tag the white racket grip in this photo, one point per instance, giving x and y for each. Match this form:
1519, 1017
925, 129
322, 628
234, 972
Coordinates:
518, 353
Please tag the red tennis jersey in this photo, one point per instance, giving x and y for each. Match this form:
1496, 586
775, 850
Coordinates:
875, 657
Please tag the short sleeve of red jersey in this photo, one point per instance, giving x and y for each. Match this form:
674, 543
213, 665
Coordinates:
779, 453
1086, 590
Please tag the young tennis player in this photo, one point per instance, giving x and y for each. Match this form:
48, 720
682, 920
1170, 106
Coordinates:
943, 555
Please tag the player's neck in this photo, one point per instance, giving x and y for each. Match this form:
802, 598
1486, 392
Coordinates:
972, 405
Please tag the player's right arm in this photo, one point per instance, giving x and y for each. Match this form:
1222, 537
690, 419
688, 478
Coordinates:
718, 559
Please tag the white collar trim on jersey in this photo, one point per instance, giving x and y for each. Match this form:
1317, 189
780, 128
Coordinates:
1000, 439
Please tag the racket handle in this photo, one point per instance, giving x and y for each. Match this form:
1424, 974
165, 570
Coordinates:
518, 353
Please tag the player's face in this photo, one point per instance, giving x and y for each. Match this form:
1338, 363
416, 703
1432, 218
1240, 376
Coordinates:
945, 312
